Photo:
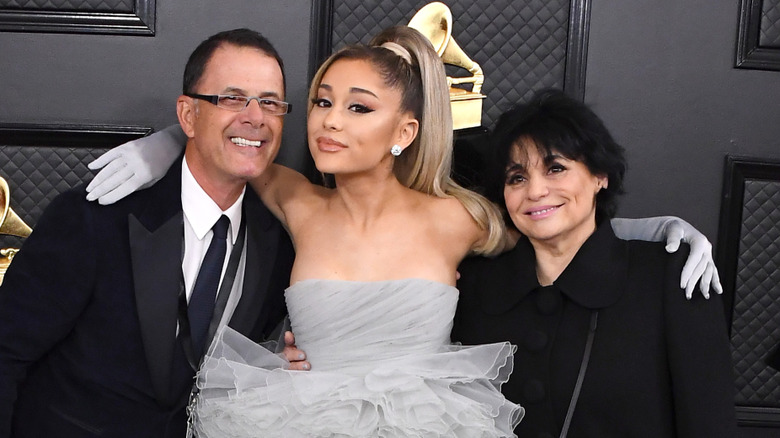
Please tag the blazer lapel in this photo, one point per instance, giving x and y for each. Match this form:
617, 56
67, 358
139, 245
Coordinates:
156, 248
262, 240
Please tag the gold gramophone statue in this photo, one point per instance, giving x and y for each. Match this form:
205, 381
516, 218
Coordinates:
434, 20
10, 224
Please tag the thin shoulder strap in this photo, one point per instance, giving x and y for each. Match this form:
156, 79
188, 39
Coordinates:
594, 316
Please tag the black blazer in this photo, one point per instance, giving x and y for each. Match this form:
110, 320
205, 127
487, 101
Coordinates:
88, 314
660, 365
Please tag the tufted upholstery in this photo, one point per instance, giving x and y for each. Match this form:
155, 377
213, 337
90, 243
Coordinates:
749, 263
520, 45
70, 5
40, 162
755, 329
770, 24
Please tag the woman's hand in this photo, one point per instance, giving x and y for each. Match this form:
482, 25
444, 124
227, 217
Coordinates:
295, 356
135, 165
700, 266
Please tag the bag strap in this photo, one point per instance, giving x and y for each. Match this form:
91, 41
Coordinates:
594, 316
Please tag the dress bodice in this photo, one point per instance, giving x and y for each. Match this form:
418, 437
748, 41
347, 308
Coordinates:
350, 325
382, 366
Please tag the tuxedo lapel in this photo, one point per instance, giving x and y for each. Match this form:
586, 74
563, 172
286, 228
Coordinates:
262, 241
156, 248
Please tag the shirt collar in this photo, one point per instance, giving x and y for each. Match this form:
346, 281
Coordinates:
595, 278
201, 211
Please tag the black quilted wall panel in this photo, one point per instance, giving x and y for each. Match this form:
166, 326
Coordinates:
770, 23
758, 36
120, 17
36, 175
756, 315
520, 44
40, 162
70, 5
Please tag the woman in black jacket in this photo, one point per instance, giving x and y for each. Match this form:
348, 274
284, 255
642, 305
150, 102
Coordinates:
608, 344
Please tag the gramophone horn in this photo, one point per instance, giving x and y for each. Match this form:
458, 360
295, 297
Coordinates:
434, 20
10, 223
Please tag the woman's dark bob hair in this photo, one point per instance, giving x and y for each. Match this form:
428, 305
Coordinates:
555, 122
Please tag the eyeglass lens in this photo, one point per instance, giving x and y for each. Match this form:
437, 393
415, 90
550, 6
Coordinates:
238, 103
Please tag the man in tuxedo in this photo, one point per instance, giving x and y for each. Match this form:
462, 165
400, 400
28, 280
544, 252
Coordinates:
107, 310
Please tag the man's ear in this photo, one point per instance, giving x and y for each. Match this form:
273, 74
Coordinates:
186, 111
408, 130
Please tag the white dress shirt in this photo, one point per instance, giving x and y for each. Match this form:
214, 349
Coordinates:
200, 215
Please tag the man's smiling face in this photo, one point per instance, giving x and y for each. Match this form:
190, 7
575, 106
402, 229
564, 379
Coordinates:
228, 148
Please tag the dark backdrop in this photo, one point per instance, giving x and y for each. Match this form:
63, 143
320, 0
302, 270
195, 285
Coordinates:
135, 80
661, 74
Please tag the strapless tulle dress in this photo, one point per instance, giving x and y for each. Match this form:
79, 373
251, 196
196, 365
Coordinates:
382, 366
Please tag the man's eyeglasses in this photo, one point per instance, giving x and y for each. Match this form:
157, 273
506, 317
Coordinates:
235, 103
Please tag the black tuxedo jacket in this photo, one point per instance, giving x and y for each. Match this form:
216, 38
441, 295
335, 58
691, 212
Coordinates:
88, 314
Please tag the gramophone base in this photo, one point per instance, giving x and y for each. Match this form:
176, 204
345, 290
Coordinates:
6, 254
466, 110
4, 262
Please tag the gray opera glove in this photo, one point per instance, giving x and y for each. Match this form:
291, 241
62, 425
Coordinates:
700, 266
135, 165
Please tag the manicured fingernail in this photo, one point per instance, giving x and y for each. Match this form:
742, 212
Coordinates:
305, 366
301, 356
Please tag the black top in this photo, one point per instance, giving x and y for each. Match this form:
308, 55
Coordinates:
660, 365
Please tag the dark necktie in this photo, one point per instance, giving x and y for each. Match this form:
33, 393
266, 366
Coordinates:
201, 306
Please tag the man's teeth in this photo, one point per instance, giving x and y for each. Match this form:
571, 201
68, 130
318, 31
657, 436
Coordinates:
244, 142
534, 213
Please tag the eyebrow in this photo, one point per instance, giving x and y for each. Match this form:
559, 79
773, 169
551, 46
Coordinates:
519, 167
362, 91
515, 167
553, 157
243, 92
357, 90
